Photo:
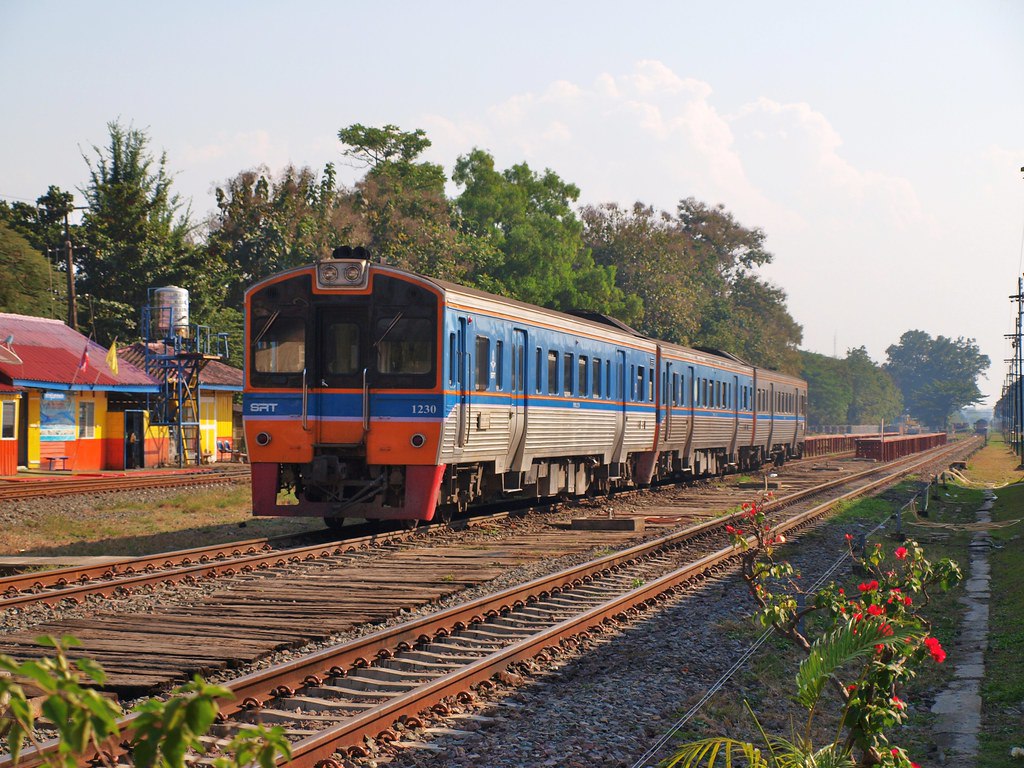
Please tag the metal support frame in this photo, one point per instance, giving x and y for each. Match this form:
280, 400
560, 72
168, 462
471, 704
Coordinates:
176, 363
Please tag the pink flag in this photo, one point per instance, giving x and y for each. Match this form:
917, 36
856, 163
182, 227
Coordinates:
83, 364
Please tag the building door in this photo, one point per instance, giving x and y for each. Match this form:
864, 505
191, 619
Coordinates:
134, 440
23, 430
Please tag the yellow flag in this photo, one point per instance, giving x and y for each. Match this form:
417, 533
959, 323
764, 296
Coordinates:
112, 357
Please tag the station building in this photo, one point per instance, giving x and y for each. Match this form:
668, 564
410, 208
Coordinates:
67, 404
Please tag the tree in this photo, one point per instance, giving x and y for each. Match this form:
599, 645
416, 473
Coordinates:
137, 234
30, 286
694, 272
265, 224
408, 221
651, 261
874, 397
937, 376
528, 218
853, 390
829, 392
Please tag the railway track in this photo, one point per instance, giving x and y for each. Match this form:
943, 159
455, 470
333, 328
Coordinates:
337, 697
125, 575
18, 489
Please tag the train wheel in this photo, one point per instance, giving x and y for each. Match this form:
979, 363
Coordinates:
334, 523
445, 513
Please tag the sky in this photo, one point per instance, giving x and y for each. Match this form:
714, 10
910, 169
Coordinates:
878, 144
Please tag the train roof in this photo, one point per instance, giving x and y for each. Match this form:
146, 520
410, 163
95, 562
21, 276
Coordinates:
596, 321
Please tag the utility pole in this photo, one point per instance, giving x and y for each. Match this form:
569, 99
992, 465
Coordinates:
72, 304
1015, 390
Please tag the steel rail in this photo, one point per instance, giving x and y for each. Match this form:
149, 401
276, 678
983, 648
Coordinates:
25, 489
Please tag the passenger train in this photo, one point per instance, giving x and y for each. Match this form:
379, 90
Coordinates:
376, 393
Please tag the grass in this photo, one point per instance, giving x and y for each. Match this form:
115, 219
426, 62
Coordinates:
181, 520
1003, 689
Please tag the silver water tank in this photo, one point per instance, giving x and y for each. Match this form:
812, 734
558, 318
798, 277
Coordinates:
170, 311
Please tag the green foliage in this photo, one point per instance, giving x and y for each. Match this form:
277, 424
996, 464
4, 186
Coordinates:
31, 287
693, 273
82, 717
406, 219
265, 224
136, 234
528, 218
163, 734
937, 376
709, 751
849, 391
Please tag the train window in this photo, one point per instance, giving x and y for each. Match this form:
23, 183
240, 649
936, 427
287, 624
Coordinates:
582, 374
552, 373
650, 385
675, 389
598, 371
453, 359
499, 364
483, 363
567, 365
340, 347
638, 386
405, 345
539, 384
281, 347
608, 378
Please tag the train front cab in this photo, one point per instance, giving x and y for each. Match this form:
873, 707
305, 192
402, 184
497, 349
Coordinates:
343, 404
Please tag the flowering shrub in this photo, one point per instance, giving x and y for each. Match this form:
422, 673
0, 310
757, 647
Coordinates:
869, 643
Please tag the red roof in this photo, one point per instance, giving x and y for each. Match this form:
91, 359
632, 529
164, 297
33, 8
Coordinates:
53, 353
214, 373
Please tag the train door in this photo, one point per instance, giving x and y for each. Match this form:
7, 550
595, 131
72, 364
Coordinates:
668, 390
734, 394
462, 363
517, 391
619, 396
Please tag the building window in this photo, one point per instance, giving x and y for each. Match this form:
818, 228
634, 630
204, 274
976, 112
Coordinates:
86, 419
7, 420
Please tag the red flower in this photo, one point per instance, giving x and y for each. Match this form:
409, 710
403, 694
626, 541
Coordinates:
868, 586
897, 703
935, 649
901, 553
851, 688
907, 601
730, 529
876, 610
841, 592
849, 537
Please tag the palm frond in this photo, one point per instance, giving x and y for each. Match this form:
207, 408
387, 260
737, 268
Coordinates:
840, 647
708, 751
